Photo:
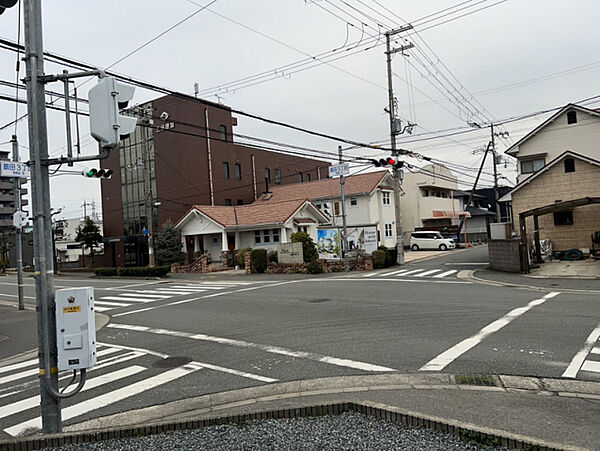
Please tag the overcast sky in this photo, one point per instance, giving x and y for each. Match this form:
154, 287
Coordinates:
511, 58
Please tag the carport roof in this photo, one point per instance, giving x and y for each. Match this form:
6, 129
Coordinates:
560, 206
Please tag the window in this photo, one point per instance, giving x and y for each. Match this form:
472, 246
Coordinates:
307, 177
353, 202
572, 117
425, 193
531, 166
226, 170
228, 202
336, 208
301, 177
240, 202
223, 130
303, 229
388, 230
444, 194
569, 165
238, 171
268, 175
278, 176
563, 218
266, 236
386, 198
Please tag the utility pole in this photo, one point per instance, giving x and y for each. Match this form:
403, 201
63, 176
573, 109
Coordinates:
395, 129
149, 201
42, 223
496, 195
19, 228
345, 237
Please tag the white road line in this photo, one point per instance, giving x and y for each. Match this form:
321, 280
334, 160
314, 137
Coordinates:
123, 287
204, 288
137, 295
371, 274
102, 309
221, 293
453, 264
118, 298
591, 365
444, 274
595, 350
108, 398
579, 358
17, 376
195, 290
402, 271
445, 358
34, 401
266, 348
170, 291
427, 273
396, 280
109, 304
412, 272
16, 366
223, 282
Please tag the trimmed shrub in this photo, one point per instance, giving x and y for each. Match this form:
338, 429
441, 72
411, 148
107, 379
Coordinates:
105, 271
314, 267
390, 255
259, 260
309, 248
379, 258
240, 256
147, 271
272, 256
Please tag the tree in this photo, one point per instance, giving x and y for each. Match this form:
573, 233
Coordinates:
167, 245
309, 248
88, 235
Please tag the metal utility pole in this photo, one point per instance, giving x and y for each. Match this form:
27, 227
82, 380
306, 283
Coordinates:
394, 130
496, 195
42, 223
149, 201
18, 237
345, 237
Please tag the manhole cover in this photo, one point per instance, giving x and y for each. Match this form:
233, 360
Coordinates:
318, 301
171, 362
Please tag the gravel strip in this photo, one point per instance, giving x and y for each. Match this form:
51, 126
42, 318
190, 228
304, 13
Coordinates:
348, 431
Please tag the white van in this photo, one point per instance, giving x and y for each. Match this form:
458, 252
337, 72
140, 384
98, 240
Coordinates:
430, 240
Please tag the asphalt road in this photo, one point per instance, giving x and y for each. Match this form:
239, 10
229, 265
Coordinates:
234, 332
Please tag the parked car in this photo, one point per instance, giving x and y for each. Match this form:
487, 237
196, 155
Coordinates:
430, 240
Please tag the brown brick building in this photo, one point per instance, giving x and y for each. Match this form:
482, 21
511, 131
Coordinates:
182, 154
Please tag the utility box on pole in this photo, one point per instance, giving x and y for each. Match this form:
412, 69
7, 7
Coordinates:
75, 328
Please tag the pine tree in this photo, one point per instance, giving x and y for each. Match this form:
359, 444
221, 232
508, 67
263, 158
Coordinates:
88, 235
167, 245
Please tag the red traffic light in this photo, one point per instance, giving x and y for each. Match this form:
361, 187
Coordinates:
390, 160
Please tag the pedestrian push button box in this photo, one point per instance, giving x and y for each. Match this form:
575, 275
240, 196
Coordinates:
75, 328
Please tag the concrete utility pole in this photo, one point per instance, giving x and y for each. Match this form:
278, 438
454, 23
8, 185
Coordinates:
496, 195
19, 228
149, 201
345, 237
394, 130
42, 223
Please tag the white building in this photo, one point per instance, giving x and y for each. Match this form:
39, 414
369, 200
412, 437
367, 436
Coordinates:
67, 249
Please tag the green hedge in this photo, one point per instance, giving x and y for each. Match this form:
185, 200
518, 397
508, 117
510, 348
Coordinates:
240, 256
106, 271
379, 258
156, 271
259, 260
314, 267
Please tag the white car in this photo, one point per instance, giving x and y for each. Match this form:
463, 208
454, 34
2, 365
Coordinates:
430, 240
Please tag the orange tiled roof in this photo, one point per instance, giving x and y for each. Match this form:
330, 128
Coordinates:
319, 189
252, 214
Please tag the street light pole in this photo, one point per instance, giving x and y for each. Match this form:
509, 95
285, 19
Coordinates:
345, 237
42, 224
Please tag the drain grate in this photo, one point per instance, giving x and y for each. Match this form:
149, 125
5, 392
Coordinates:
318, 300
475, 379
171, 362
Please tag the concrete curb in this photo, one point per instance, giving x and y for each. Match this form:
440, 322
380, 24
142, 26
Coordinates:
210, 409
496, 283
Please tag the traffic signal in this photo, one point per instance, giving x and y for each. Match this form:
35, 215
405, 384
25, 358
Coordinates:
107, 126
104, 174
5, 4
385, 162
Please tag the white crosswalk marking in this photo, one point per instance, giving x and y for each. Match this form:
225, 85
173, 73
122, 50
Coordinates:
118, 298
107, 399
109, 304
444, 274
580, 361
34, 401
414, 271
591, 365
427, 273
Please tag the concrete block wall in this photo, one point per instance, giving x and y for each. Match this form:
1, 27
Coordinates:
504, 255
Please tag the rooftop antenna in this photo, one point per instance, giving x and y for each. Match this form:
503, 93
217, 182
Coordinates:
196, 90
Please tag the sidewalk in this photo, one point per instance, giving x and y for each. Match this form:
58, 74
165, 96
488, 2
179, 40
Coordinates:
485, 275
509, 410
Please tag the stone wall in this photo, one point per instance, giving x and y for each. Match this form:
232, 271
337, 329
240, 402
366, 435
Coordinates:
198, 266
504, 255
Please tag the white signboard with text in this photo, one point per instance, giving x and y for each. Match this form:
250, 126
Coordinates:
14, 169
339, 170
